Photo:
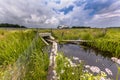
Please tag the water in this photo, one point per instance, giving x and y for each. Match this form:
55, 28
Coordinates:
90, 57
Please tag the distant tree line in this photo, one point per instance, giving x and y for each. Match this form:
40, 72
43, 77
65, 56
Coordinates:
73, 27
81, 27
113, 27
6, 25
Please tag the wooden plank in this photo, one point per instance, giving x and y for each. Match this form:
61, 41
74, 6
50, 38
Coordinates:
44, 41
44, 34
77, 41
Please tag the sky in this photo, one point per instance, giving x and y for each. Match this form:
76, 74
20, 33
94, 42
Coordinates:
51, 13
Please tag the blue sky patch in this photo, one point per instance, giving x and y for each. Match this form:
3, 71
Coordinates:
97, 6
66, 10
58, 1
79, 2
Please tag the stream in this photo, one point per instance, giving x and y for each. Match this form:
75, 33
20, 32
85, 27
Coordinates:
90, 57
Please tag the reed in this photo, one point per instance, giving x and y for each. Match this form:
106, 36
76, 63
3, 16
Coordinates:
19, 56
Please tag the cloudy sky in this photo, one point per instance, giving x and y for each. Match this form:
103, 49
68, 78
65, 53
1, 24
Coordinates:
51, 13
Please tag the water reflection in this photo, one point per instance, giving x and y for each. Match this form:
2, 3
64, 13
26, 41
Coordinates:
97, 52
90, 56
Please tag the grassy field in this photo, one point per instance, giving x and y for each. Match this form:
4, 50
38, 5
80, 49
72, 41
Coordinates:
107, 40
21, 55
103, 39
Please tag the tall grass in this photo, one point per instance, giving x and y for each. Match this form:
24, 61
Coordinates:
107, 45
109, 42
37, 65
13, 45
22, 56
68, 34
103, 39
67, 72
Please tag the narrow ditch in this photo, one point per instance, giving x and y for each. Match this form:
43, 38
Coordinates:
90, 57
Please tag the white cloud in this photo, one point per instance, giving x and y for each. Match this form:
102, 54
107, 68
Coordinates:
52, 21
35, 19
114, 6
107, 17
36, 13
25, 12
76, 17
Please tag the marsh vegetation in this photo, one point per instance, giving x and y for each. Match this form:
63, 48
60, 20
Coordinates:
103, 39
22, 53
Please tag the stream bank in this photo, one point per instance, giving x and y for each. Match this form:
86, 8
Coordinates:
90, 57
